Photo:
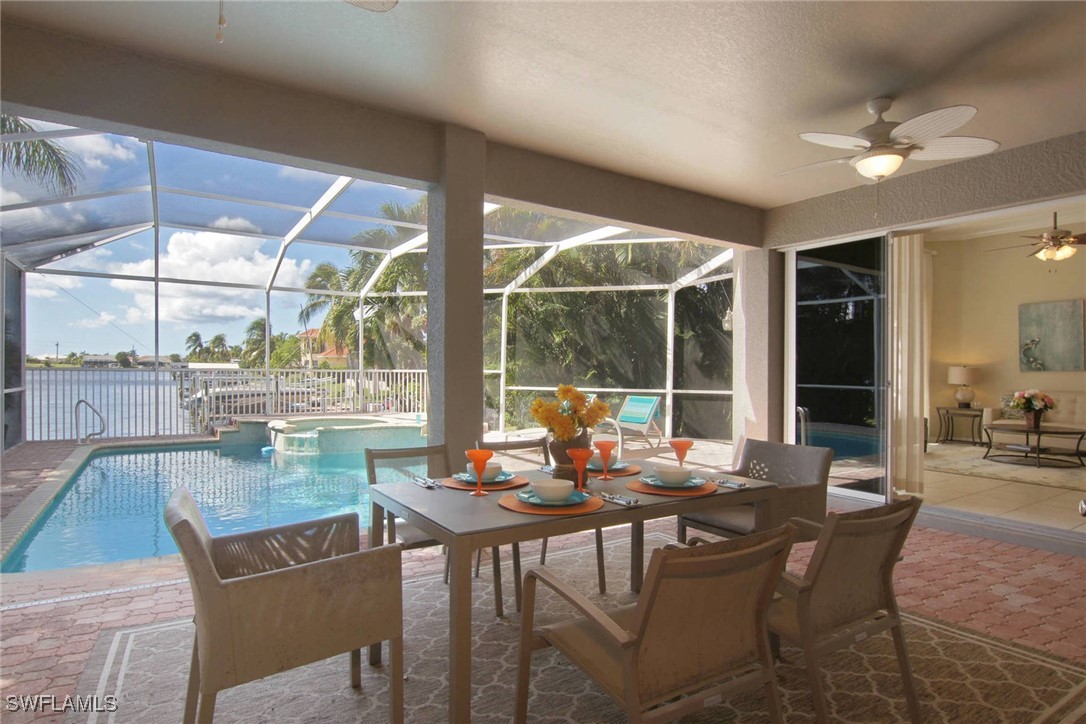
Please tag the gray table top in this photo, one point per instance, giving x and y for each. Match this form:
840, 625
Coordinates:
457, 513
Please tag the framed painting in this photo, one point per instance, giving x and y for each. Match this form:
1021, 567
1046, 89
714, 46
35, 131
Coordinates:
1052, 336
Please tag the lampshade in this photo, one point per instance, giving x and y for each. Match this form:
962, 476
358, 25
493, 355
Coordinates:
961, 375
1056, 253
878, 163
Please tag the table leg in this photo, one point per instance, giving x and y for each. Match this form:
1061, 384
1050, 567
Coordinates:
376, 539
637, 556
460, 632
942, 424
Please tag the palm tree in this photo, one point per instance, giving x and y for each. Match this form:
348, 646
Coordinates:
218, 349
43, 161
394, 325
194, 343
252, 354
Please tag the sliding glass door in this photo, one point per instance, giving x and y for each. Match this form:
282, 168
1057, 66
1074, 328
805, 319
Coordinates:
837, 376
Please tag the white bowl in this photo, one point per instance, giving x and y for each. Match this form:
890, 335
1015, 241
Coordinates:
672, 474
493, 470
596, 460
552, 490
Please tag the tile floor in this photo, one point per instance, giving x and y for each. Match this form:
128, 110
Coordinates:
49, 621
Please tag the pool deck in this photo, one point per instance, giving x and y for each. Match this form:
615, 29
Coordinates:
51, 620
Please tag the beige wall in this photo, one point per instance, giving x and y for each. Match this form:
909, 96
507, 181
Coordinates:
975, 314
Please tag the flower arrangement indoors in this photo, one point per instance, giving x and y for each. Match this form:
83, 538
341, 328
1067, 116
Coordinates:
1034, 403
568, 419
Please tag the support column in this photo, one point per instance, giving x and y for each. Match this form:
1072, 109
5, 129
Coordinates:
758, 400
455, 284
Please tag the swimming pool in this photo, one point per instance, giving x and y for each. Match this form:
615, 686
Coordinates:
112, 508
860, 443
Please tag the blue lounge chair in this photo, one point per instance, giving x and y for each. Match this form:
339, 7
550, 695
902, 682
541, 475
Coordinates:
637, 415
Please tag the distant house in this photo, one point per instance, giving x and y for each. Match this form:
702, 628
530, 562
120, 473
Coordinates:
99, 360
148, 360
314, 352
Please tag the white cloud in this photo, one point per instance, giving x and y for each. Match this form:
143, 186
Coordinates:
44, 286
304, 174
235, 223
101, 320
96, 151
209, 256
10, 196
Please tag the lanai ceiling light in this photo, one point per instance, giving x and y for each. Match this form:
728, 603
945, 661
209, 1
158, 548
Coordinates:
884, 145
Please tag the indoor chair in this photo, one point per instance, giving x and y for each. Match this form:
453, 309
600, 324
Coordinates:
540, 443
271, 600
801, 474
697, 632
847, 592
407, 535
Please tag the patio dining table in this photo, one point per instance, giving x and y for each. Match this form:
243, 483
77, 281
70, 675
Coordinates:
465, 523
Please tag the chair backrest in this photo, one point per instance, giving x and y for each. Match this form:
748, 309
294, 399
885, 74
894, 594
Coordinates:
784, 464
209, 598
434, 457
638, 411
852, 567
702, 611
538, 443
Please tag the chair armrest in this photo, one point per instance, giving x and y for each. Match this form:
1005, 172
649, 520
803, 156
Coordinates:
591, 611
790, 585
270, 549
808, 529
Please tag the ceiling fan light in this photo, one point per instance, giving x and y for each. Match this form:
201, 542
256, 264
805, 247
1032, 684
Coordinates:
878, 163
1056, 253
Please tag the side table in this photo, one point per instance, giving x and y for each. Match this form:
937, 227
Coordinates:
946, 423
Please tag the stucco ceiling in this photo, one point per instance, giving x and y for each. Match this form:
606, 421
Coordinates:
707, 96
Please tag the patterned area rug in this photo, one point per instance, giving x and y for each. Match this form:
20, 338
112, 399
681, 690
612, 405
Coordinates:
961, 676
969, 460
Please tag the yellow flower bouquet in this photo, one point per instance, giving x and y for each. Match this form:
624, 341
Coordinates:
570, 414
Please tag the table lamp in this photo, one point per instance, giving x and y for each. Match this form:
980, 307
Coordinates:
963, 377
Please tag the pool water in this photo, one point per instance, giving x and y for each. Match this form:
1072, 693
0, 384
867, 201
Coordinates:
112, 509
845, 444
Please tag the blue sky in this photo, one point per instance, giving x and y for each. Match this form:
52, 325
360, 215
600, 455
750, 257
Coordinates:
104, 316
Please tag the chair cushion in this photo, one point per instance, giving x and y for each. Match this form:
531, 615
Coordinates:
737, 519
411, 537
590, 649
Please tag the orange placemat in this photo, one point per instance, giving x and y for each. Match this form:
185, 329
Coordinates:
632, 470
510, 502
638, 487
517, 481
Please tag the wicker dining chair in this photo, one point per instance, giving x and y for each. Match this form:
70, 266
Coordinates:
847, 591
407, 535
801, 473
696, 634
540, 443
275, 599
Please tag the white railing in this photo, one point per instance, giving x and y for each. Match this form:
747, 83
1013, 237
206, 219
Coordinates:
143, 403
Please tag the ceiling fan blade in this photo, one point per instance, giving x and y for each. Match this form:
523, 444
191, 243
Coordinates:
817, 164
1017, 246
375, 6
939, 149
1077, 239
837, 140
931, 125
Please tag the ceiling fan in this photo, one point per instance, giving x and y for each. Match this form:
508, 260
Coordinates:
1053, 245
884, 145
